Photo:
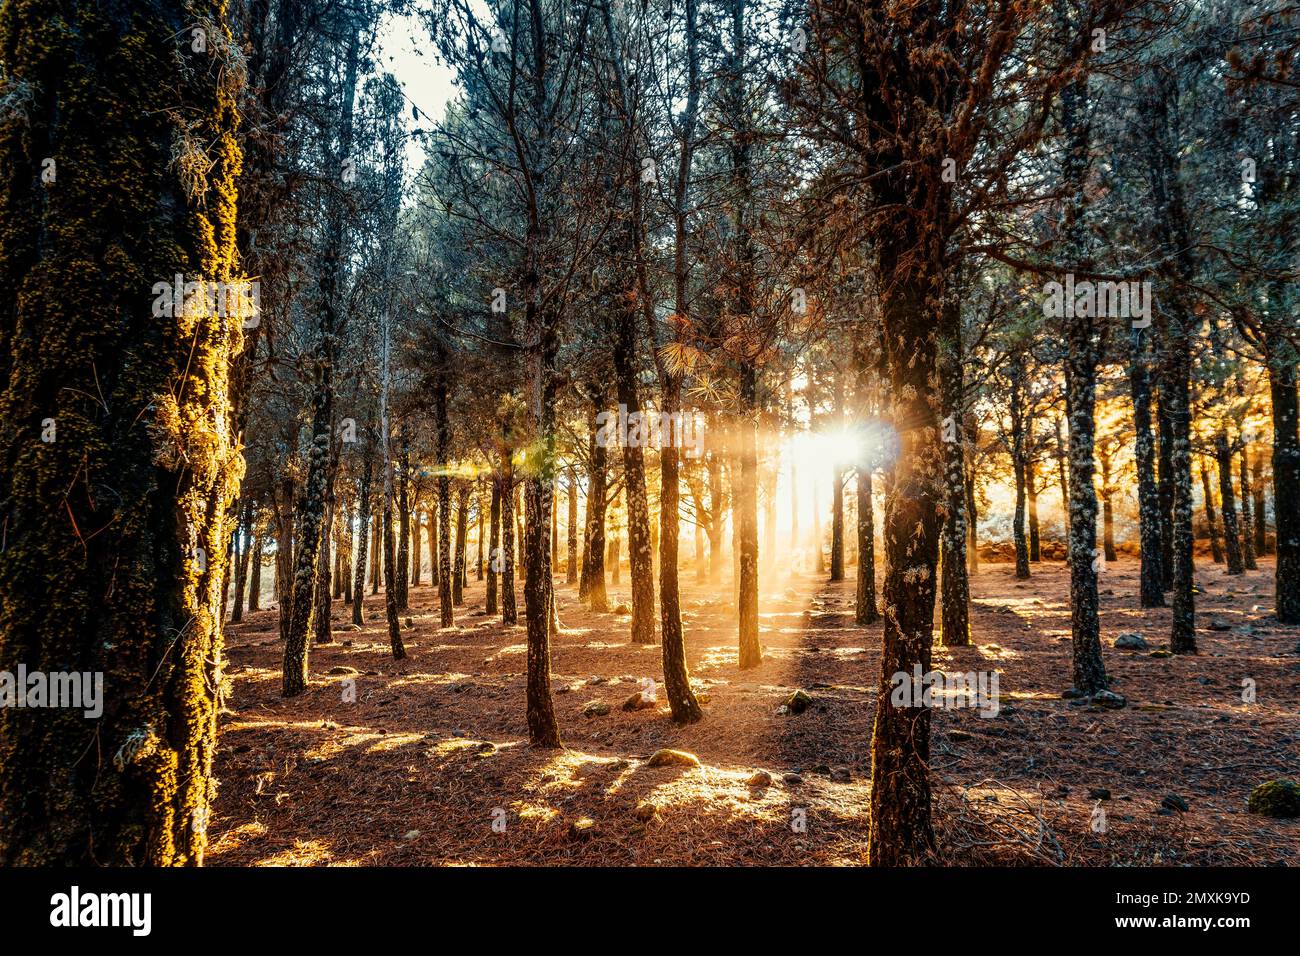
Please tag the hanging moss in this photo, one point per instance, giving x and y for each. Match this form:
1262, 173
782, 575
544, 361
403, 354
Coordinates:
114, 531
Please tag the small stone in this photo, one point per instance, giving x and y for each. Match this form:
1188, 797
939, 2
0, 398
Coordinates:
958, 736
411, 835
1174, 802
1072, 693
1161, 652
582, 829
793, 779
637, 701
759, 778
645, 811
409, 623
347, 644
1220, 625
1131, 641
1109, 700
340, 669
595, 708
1098, 793
1276, 798
672, 758
623, 609
798, 702
841, 775
594, 681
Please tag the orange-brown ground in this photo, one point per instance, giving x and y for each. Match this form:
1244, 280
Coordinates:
435, 747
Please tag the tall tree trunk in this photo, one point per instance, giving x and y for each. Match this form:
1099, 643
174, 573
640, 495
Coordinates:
640, 565
955, 586
571, 532
494, 546
1227, 501
1031, 497
1286, 488
322, 626
255, 584
1151, 577
865, 611
972, 515
375, 548
284, 552
244, 552
415, 546
591, 584
837, 491
1107, 509
403, 505
1018, 467
900, 830
442, 450
311, 508
1247, 515
363, 529
1165, 491
1261, 518
509, 611
462, 529
1085, 337
1211, 521
478, 517
746, 498
115, 527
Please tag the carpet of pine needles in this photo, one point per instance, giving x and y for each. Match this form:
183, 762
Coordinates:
430, 765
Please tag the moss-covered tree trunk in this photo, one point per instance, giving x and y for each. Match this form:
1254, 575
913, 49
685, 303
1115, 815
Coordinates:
1286, 483
1151, 586
118, 463
1247, 513
954, 585
900, 830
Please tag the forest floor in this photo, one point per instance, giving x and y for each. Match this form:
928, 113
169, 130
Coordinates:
434, 749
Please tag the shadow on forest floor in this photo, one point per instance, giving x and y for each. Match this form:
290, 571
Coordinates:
434, 749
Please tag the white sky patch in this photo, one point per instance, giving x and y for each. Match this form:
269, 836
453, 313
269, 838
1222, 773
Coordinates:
407, 51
